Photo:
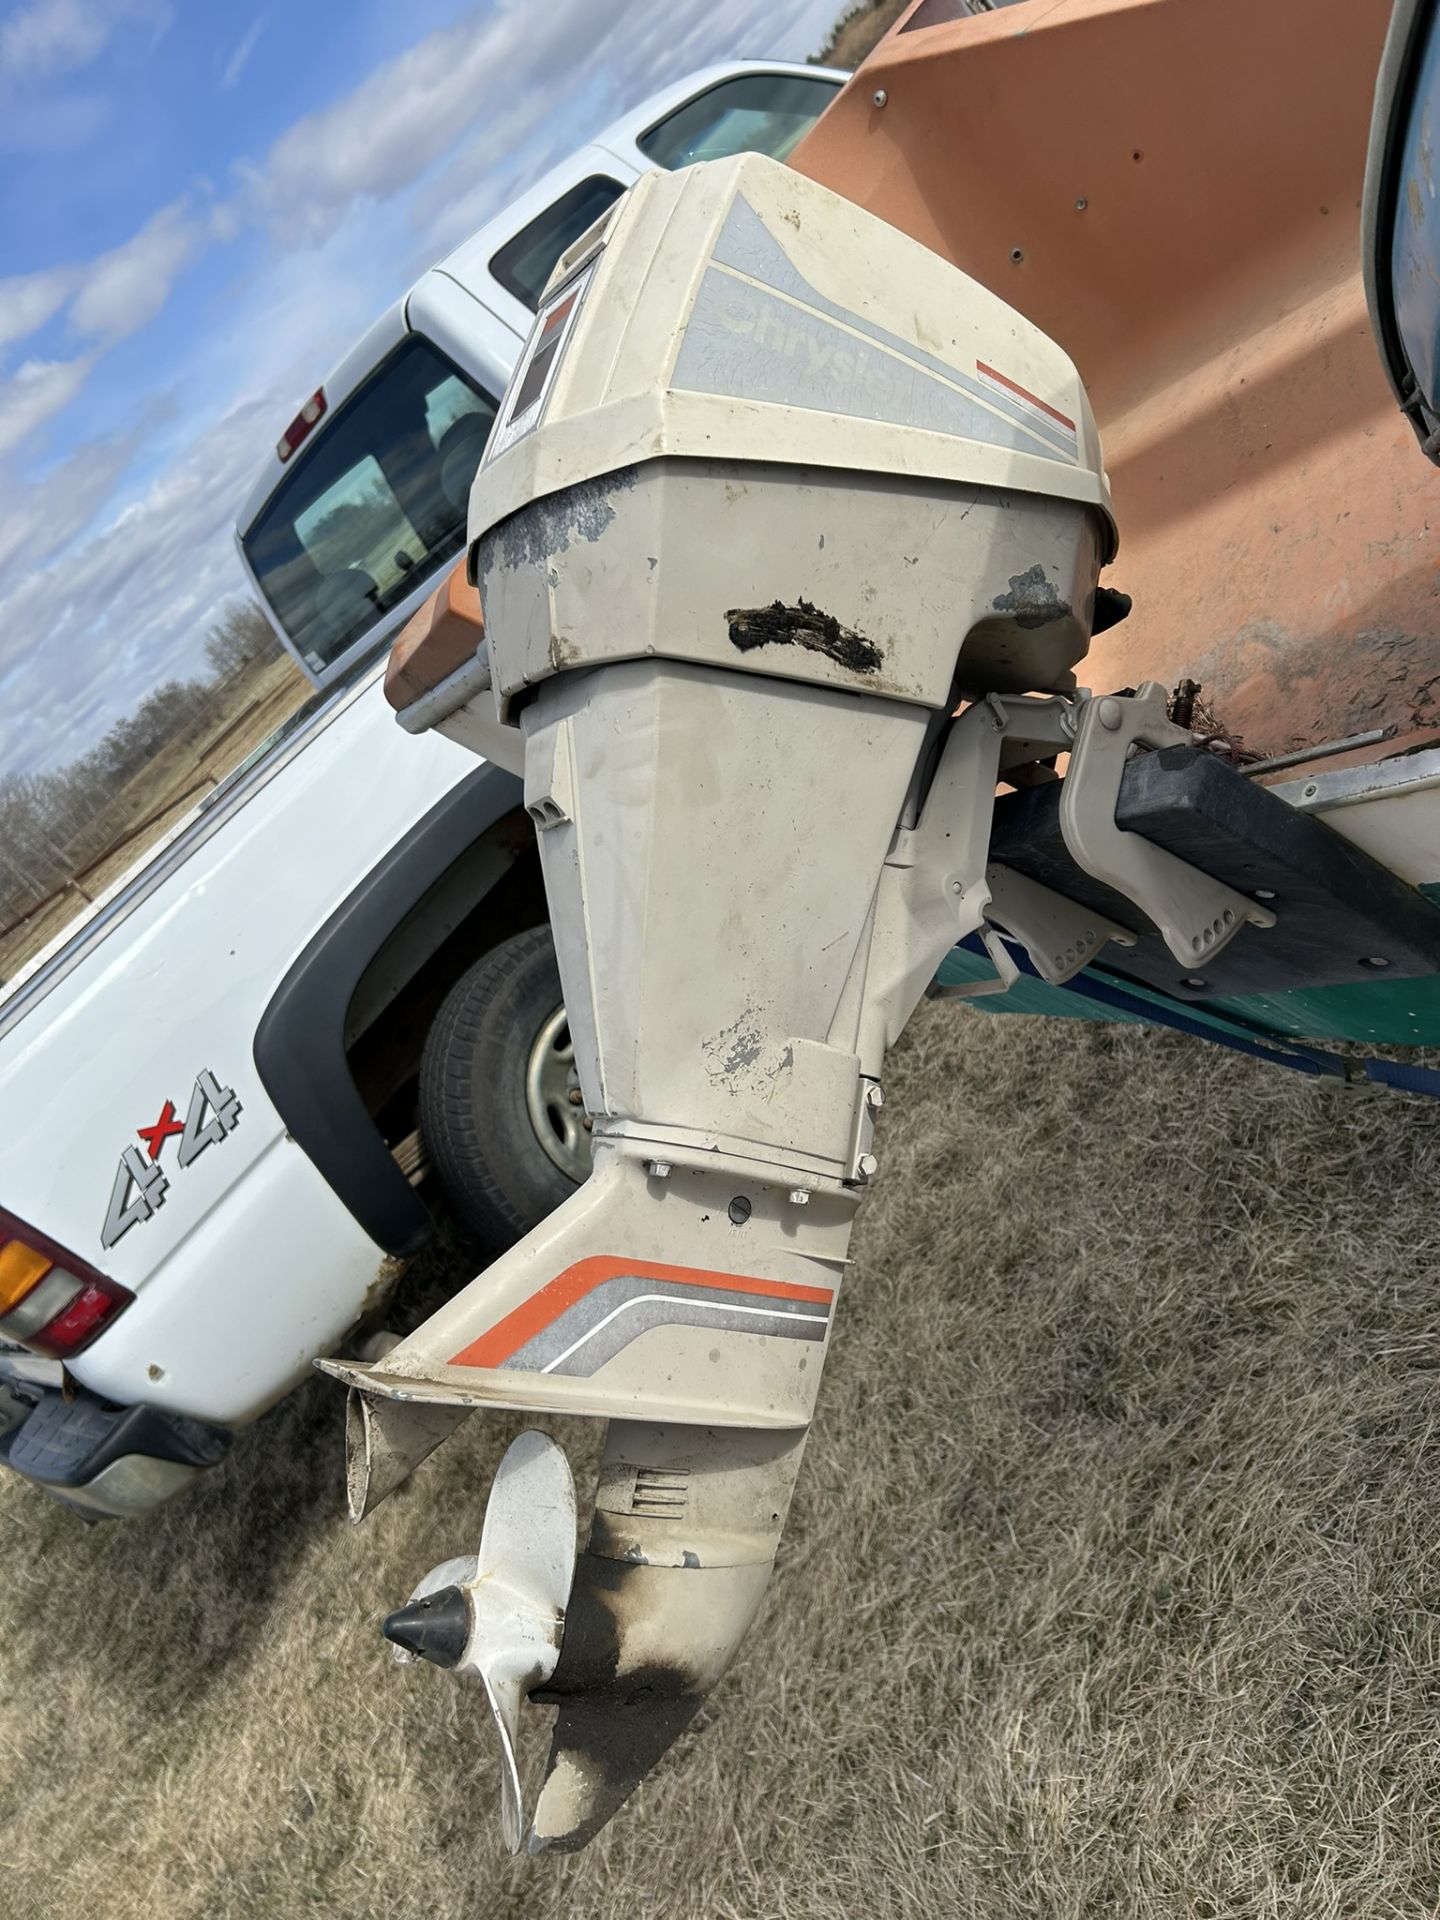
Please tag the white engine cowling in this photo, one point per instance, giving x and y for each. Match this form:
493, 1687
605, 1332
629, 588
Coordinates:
773, 491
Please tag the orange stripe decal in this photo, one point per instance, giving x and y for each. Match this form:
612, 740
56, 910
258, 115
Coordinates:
532, 1316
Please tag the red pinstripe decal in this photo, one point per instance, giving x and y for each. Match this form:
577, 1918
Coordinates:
532, 1316
993, 373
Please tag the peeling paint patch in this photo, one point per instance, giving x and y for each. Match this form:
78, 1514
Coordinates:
734, 1048
802, 625
737, 1059
1032, 599
534, 535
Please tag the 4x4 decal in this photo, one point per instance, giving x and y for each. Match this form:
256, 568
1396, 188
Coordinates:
140, 1183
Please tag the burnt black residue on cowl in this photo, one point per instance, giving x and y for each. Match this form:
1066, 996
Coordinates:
802, 625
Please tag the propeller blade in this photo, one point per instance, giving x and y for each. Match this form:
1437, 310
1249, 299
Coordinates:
520, 1594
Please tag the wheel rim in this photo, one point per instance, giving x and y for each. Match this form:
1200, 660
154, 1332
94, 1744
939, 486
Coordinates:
549, 1079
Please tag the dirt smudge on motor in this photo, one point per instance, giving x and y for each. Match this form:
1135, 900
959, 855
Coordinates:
616, 1718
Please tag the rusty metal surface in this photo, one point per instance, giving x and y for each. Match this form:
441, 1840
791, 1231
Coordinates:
1172, 192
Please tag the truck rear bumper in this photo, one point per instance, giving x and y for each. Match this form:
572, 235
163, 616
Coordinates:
113, 1462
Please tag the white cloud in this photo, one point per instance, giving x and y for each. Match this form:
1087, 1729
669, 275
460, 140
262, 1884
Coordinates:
128, 605
40, 518
240, 58
93, 614
398, 122
111, 296
665, 43
60, 36
125, 289
494, 78
28, 300
37, 390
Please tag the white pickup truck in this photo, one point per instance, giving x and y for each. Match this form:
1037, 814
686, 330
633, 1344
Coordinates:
217, 1103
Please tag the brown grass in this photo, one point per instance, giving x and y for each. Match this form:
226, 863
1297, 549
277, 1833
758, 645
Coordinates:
1110, 1587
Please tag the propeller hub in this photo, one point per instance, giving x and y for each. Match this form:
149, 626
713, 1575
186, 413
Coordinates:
435, 1627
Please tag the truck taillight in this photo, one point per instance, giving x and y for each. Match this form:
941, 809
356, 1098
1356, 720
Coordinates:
301, 424
49, 1298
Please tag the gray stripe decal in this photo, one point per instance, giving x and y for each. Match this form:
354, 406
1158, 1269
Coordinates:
749, 344
607, 1319
747, 245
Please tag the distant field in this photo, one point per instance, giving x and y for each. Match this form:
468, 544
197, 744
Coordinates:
145, 810
1110, 1588
858, 31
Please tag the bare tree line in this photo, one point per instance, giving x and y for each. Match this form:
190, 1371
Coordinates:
55, 825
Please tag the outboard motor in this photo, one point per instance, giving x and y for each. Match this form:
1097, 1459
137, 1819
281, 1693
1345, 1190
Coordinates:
774, 494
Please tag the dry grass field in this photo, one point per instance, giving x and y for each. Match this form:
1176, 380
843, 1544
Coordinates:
1111, 1585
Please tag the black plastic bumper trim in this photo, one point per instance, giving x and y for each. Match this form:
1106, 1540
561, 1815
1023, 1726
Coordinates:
69, 1443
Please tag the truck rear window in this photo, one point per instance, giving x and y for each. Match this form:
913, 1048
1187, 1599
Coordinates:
754, 113
374, 504
522, 266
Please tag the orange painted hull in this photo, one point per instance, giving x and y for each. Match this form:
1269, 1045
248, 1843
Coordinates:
1171, 189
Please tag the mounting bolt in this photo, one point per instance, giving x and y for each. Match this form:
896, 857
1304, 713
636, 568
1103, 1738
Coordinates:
1109, 714
1081, 204
879, 97
957, 886
799, 1197
874, 1097
575, 1097
658, 1169
867, 1166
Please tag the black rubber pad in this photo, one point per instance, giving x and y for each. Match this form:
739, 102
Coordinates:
1340, 916
65, 1443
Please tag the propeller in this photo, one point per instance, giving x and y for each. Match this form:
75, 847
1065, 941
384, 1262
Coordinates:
499, 1616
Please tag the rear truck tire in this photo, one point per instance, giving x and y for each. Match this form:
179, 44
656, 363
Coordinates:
504, 1136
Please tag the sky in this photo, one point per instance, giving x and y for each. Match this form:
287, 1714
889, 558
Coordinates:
203, 203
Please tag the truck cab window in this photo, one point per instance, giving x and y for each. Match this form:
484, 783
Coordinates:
754, 113
375, 505
522, 266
